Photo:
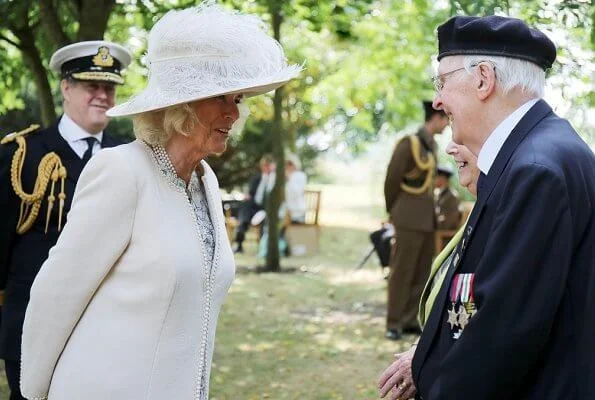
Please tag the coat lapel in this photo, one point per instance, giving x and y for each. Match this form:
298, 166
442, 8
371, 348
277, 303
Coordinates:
539, 111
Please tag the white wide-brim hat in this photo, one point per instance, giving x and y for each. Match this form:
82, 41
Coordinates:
208, 51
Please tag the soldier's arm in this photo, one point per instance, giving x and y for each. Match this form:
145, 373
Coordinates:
450, 212
395, 172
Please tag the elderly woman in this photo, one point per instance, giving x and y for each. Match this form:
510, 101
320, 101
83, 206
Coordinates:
126, 305
396, 379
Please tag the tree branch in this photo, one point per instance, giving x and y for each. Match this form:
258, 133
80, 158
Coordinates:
51, 21
12, 42
93, 17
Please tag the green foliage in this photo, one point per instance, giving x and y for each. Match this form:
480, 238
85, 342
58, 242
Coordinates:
367, 63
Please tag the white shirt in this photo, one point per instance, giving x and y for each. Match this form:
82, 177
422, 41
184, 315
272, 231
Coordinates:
495, 141
295, 200
75, 136
267, 181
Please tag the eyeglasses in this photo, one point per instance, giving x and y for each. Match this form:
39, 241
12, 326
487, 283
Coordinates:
440, 80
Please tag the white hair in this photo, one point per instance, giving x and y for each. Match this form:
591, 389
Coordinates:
512, 72
293, 159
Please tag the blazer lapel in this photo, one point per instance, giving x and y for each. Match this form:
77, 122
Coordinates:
539, 111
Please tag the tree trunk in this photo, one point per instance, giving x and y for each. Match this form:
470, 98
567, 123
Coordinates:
276, 196
33, 60
93, 17
52, 25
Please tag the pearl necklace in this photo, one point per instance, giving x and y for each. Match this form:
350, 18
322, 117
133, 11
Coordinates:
167, 168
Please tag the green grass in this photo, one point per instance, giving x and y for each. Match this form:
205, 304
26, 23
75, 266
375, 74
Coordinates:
314, 331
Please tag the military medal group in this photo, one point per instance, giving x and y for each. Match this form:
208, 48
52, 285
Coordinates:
462, 300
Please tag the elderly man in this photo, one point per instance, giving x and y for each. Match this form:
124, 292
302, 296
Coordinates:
514, 318
35, 206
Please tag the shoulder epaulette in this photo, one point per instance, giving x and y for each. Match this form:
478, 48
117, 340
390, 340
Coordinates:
426, 166
12, 136
49, 172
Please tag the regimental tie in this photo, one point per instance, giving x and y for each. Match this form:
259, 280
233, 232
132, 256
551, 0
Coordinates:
89, 152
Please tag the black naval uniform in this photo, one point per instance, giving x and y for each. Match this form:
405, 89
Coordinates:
21, 255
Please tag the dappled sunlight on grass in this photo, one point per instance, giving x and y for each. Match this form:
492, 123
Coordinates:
255, 347
358, 276
315, 331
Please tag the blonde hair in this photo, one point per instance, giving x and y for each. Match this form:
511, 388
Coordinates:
156, 127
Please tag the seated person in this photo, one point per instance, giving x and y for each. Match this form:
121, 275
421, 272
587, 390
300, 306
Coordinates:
294, 207
259, 187
446, 201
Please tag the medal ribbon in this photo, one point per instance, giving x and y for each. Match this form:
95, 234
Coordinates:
455, 290
466, 278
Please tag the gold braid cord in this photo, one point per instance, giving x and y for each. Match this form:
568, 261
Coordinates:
426, 166
50, 169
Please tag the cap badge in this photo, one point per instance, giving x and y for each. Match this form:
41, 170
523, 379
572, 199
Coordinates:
103, 58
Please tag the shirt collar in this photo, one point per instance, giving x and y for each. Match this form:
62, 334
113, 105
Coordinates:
495, 141
71, 132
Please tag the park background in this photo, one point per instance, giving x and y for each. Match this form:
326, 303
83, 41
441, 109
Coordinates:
313, 329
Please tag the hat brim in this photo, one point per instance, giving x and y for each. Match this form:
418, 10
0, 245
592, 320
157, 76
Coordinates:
135, 105
98, 76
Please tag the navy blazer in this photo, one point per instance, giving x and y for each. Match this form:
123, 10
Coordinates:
532, 250
21, 256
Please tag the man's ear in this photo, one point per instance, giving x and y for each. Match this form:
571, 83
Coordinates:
485, 75
65, 89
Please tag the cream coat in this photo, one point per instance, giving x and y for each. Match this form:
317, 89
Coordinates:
124, 306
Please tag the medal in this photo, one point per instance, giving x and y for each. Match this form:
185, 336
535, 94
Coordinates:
467, 307
468, 298
462, 303
452, 318
455, 291
463, 317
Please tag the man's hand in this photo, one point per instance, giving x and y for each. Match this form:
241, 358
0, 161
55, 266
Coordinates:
397, 378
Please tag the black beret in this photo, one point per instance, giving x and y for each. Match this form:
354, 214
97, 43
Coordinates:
429, 110
495, 36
